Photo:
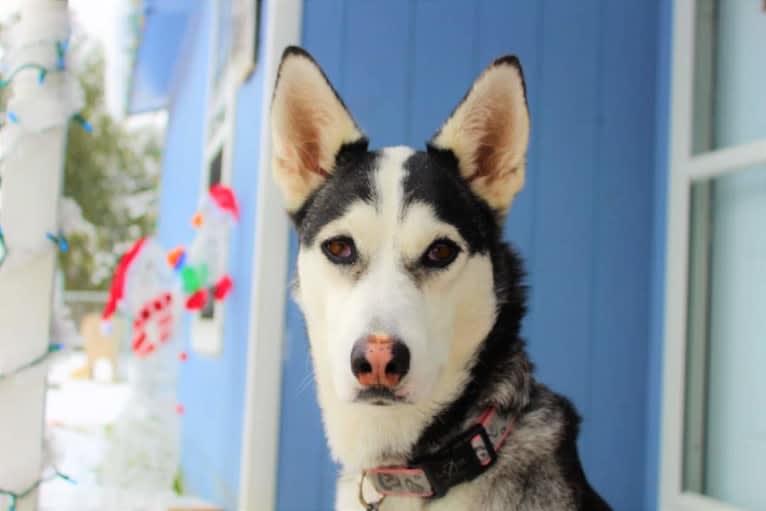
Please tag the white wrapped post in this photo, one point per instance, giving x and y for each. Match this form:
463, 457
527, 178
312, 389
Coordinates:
32, 145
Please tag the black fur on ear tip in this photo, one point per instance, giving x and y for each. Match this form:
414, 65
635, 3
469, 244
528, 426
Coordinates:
296, 50
509, 60
290, 51
514, 62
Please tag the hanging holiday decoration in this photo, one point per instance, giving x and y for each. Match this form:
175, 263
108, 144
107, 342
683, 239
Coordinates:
203, 267
143, 444
143, 452
142, 287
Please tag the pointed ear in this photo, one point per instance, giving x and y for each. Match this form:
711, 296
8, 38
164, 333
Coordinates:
488, 134
309, 124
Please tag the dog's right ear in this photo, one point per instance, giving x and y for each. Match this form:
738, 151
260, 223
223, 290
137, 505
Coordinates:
309, 126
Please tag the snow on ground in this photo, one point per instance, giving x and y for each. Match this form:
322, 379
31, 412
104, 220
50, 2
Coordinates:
79, 414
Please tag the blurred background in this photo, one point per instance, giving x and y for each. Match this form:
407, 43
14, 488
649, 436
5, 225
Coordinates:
641, 224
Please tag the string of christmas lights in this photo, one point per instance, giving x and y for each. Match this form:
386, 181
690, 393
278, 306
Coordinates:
78, 118
15, 497
44, 96
52, 348
58, 240
61, 47
3, 247
42, 70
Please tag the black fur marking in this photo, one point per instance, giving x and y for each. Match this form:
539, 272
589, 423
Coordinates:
433, 178
377, 393
352, 180
569, 461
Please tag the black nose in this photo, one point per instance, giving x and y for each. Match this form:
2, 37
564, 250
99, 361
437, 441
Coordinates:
380, 360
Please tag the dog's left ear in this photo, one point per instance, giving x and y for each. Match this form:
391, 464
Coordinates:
488, 133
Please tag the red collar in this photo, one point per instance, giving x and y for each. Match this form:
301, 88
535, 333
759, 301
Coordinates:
465, 457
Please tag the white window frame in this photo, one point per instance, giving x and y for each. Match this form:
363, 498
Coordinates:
220, 133
207, 334
262, 417
686, 168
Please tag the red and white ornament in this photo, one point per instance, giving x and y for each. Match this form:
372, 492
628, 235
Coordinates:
141, 287
203, 267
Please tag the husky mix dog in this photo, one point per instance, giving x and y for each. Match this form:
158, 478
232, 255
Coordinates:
413, 304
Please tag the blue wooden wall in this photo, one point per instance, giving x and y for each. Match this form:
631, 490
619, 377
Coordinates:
585, 222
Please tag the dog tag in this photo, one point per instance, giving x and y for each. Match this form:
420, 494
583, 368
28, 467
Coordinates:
368, 506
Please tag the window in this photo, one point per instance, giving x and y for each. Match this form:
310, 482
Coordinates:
213, 178
207, 324
231, 58
714, 409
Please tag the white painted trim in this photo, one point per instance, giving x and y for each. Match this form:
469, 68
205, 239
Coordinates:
695, 502
207, 335
677, 257
684, 169
724, 161
260, 442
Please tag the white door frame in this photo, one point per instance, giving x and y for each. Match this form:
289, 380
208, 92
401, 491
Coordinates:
260, 435
685, 168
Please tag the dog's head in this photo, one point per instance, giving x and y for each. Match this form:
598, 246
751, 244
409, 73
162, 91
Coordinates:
395, 269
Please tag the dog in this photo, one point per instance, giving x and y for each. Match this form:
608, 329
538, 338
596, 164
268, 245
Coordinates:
413, 303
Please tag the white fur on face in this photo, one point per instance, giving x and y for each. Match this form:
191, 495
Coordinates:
441, 318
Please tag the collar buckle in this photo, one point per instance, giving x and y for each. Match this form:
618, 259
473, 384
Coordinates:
466, 457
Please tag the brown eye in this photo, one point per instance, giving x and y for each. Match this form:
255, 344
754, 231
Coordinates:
440, 254
340, 250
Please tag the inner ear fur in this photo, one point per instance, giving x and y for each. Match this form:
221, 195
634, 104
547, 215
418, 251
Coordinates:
488, 133
309, 124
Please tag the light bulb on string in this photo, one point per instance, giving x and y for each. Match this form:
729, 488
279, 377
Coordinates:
59, 240
15, 497
3, 247
37, 361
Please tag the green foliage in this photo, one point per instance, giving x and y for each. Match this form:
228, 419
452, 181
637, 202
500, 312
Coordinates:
178, 483
113, 175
